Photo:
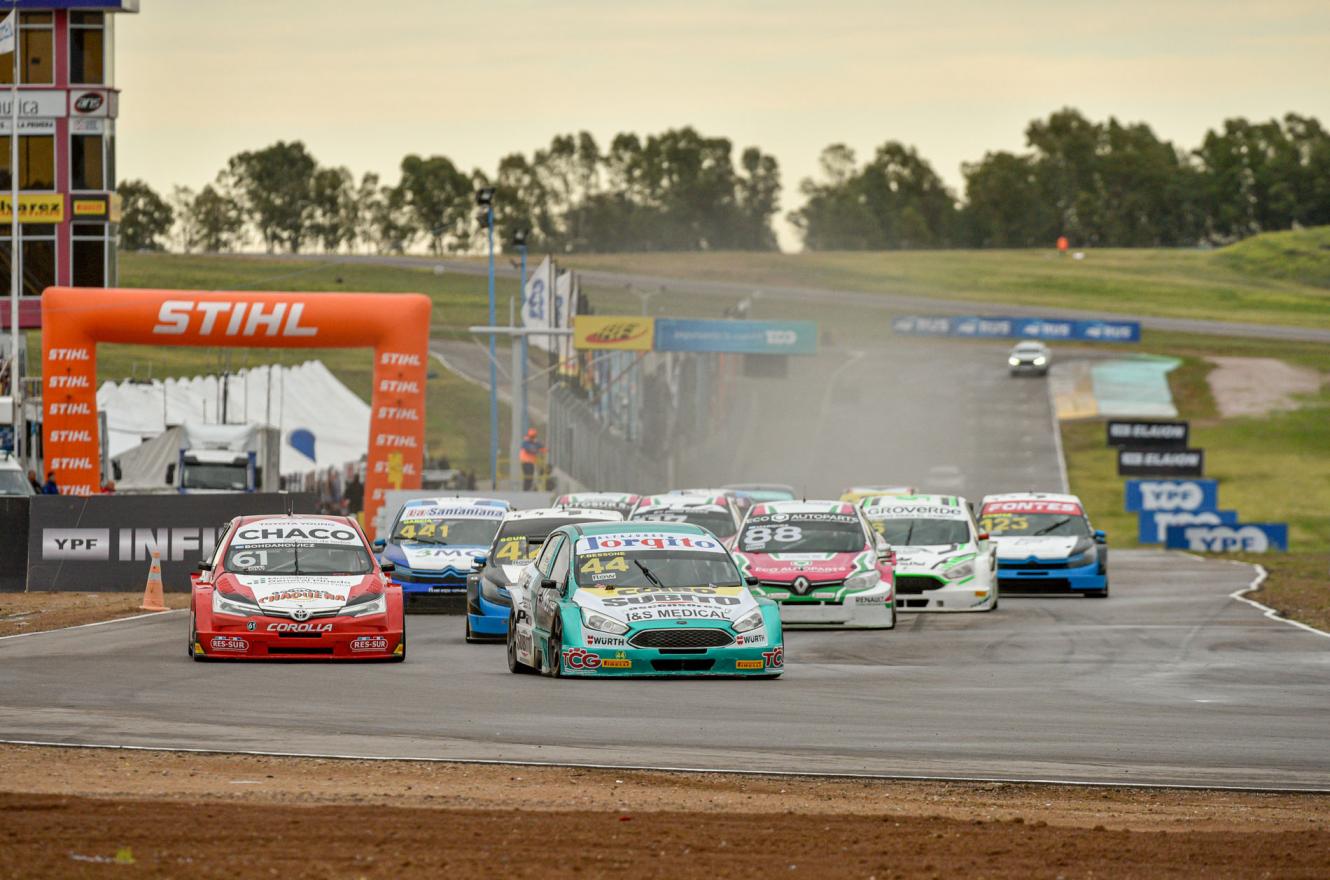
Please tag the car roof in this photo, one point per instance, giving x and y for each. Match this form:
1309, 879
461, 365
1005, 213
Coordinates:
763, 508
1033, 496
600, 496
930, 498
590, 514
639, 528
305, 517
458, 500
652, 502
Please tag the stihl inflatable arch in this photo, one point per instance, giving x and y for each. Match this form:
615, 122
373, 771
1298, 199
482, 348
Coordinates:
394, 325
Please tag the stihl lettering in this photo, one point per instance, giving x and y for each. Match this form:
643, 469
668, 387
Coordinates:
68, 409
398, 359
69, 354
399, 386
68, 382
396, 441
72, 464
402, 414
175, 317
71, 436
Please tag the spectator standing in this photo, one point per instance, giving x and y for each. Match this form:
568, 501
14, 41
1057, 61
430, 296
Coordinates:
355, 495
529, 455
50, 488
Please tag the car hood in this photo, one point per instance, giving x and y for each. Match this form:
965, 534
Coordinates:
640, 604
1039, 547
435, 557
286, 593
931, 558
780, 567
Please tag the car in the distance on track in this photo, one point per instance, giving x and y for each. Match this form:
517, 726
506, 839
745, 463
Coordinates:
12, 479
649, 599
517, 542
821, 562
432, 545
860, 494
716, 513
1029, 357
763, 491
943, 561
295, 588
623, 503
740, 500
1045, 544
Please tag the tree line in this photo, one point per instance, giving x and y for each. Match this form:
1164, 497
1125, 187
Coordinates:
1098, 183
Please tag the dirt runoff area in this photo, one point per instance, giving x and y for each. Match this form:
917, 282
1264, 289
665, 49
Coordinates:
103, 813
1244, 386
37, 612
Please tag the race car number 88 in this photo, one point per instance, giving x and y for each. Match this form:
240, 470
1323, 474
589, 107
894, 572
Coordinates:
759, 536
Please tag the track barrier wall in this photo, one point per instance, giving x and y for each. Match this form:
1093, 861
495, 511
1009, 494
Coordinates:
104, 543
13, 543
395, 326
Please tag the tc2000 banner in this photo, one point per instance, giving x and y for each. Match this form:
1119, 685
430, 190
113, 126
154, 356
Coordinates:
105, 542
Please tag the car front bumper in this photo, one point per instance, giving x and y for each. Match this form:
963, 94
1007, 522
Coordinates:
924, 592
1049, 576
345, 642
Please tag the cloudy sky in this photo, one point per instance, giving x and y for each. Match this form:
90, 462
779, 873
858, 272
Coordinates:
363, 84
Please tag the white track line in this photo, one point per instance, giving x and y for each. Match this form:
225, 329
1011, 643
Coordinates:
1057, 439
713, 771
1271, 613
44, 632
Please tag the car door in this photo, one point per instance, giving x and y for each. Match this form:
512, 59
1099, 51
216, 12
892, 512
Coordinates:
546, 600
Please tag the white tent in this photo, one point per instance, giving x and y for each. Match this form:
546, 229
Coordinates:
307, 396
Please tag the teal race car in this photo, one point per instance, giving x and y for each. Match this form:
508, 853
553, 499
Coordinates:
640, 599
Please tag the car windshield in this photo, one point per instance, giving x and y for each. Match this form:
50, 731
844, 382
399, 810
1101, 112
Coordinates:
920, 532
445, 530
718, 522
612, 569
14, 483
290, 558
802, 533
519, 541
618, 505
1059, 525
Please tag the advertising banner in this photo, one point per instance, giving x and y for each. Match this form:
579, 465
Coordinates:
1154, 524
1190, 495
13, 543
538, 303
736, 337
1235, 538
1156, 434
35, 208
1161, 462
618, 332
105, 542
1012, 327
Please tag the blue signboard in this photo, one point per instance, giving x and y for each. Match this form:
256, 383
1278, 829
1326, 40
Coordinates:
1016, 328
1154, 524
1174, 495
1235, 538
736, 337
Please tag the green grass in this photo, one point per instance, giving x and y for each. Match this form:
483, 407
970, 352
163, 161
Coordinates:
1273, 468
1298, 586
1223, 285
1302, 255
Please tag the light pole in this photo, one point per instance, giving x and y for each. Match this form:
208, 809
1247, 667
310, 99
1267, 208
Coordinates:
519, 240
485, 199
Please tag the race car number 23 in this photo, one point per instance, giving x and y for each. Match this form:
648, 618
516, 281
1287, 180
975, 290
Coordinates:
997, 523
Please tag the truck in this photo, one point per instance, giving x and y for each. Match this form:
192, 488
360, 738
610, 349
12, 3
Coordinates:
225, 458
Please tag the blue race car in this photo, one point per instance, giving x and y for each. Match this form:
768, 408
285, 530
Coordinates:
1045, 544
519, 539
432, 545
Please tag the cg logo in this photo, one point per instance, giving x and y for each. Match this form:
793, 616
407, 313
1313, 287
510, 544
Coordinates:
579, 658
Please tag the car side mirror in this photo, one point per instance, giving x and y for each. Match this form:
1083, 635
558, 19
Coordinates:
1100, 537
204, 565
387, 567
547, 584
379, 544
752, 581
170, 474
478, 561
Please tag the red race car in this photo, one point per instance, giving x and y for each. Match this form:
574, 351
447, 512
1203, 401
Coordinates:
295, 587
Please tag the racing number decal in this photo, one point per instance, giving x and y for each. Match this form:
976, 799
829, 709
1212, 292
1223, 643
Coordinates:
996, 523
759, 536
511, 550
251, 559
411, 531
596, 565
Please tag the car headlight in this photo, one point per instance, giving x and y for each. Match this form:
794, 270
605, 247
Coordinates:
864, 580
601, 623
958, 572
1014, 361
494, 590
1083, 553
362, 605
1040, 361
230, 603
750, 621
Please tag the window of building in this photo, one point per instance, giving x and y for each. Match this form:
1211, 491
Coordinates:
87, 48
37, 51
89, 254
36, 162
38, 258
87, 162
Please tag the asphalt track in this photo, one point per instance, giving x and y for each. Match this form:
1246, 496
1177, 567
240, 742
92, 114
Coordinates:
1170, 681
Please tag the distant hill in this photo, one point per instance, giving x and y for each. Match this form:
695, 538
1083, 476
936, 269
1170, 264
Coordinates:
1301, 255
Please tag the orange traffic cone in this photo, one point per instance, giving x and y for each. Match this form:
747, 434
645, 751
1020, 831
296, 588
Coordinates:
152, 593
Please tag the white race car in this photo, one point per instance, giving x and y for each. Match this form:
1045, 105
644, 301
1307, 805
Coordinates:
943, 561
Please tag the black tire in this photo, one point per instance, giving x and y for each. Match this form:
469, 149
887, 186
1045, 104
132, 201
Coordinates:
1098, 594
193, 637
554, 648
515, 666
401, 658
